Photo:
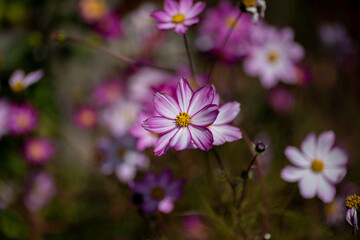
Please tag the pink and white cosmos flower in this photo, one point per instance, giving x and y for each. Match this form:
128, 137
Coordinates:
178, 15
183, 120
19, 80
318, 167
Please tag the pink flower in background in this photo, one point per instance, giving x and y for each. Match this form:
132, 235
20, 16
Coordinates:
281, 100
179, 16
4, 111
145, 138
253, 7
86, 117
318, 167
194, 227
92, 10
335, 211
19, 80
158, 192
185, 120
39, 150
107, 92
41, 191
22, 119
274, 56
220, 128
109, 26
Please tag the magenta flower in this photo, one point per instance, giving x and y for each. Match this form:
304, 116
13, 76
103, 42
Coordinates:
107, 92
19, 81
158, 192
39, 150
109, 26
179, 16
92, 10
145, 138
281, 100
183, 120
22, 119
317, 168
4, 111
86, 117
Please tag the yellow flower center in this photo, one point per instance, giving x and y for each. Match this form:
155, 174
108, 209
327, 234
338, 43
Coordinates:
317, 165
183, 120
94, 9
18, 87
36, 150
178, 18
352, 201
331, 208
157, 193
273, 57
249, 3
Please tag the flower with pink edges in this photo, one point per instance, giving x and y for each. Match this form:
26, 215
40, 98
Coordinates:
220, 128
19, 80
39, 150
22, 119
274, 56
93, 10
144, 138
214, 29
109, 26
178, 16
41, 191
158, 192
4, 111
107, 92
86, 117
352, 203
317, 167
183, 120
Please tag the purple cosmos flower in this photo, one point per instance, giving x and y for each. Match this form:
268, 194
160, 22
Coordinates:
86, 117
273, 56
194, 227
281, 100
335, 211
39, 150
22, 119
92, 10
318, 167
109, 26
183, 120
145, 138
352, 203
19, 81
107, 92
178, 15
220, 129
41, 191
4, 111
158, 191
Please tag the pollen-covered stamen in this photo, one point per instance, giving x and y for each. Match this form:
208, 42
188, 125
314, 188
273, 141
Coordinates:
178, 18
273, 57
18, 87
249, 3
317, 165
183, 119
352, 201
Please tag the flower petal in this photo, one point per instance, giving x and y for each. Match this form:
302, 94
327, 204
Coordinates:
202, 97
205, 116
159, 125
308, 146
166, 105
325, 190
174, 190
161, 16
165, 26
224, 133
334, 175
202, 137
181, 140
227, 113
296, 157
184, 94
195, 10
191, 21
308, 184
336, 157
185, 5
125, 172
325, 142
180, 28
293, 174
161, 145
33, 77
17, 76
171, 7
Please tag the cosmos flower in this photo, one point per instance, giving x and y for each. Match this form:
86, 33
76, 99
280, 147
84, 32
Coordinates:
158, 192
317, 167
220, 129
22, 119
253, 6
39, 150
86, 117
19, 81
335, 211
194, 227
183, 120
281, 100
145, 138
4, 111
273, 56
109, 26
352, 203
92, 10
179, 16
41, 191
107, 92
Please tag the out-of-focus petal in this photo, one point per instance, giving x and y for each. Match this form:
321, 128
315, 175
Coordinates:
325, 142
309, 184
325, 190
293, 174
296, 157
308, 146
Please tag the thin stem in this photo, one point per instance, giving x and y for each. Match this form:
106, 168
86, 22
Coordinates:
121, 58
224, 42
189, 57
221, 165
265, 198
245, 176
